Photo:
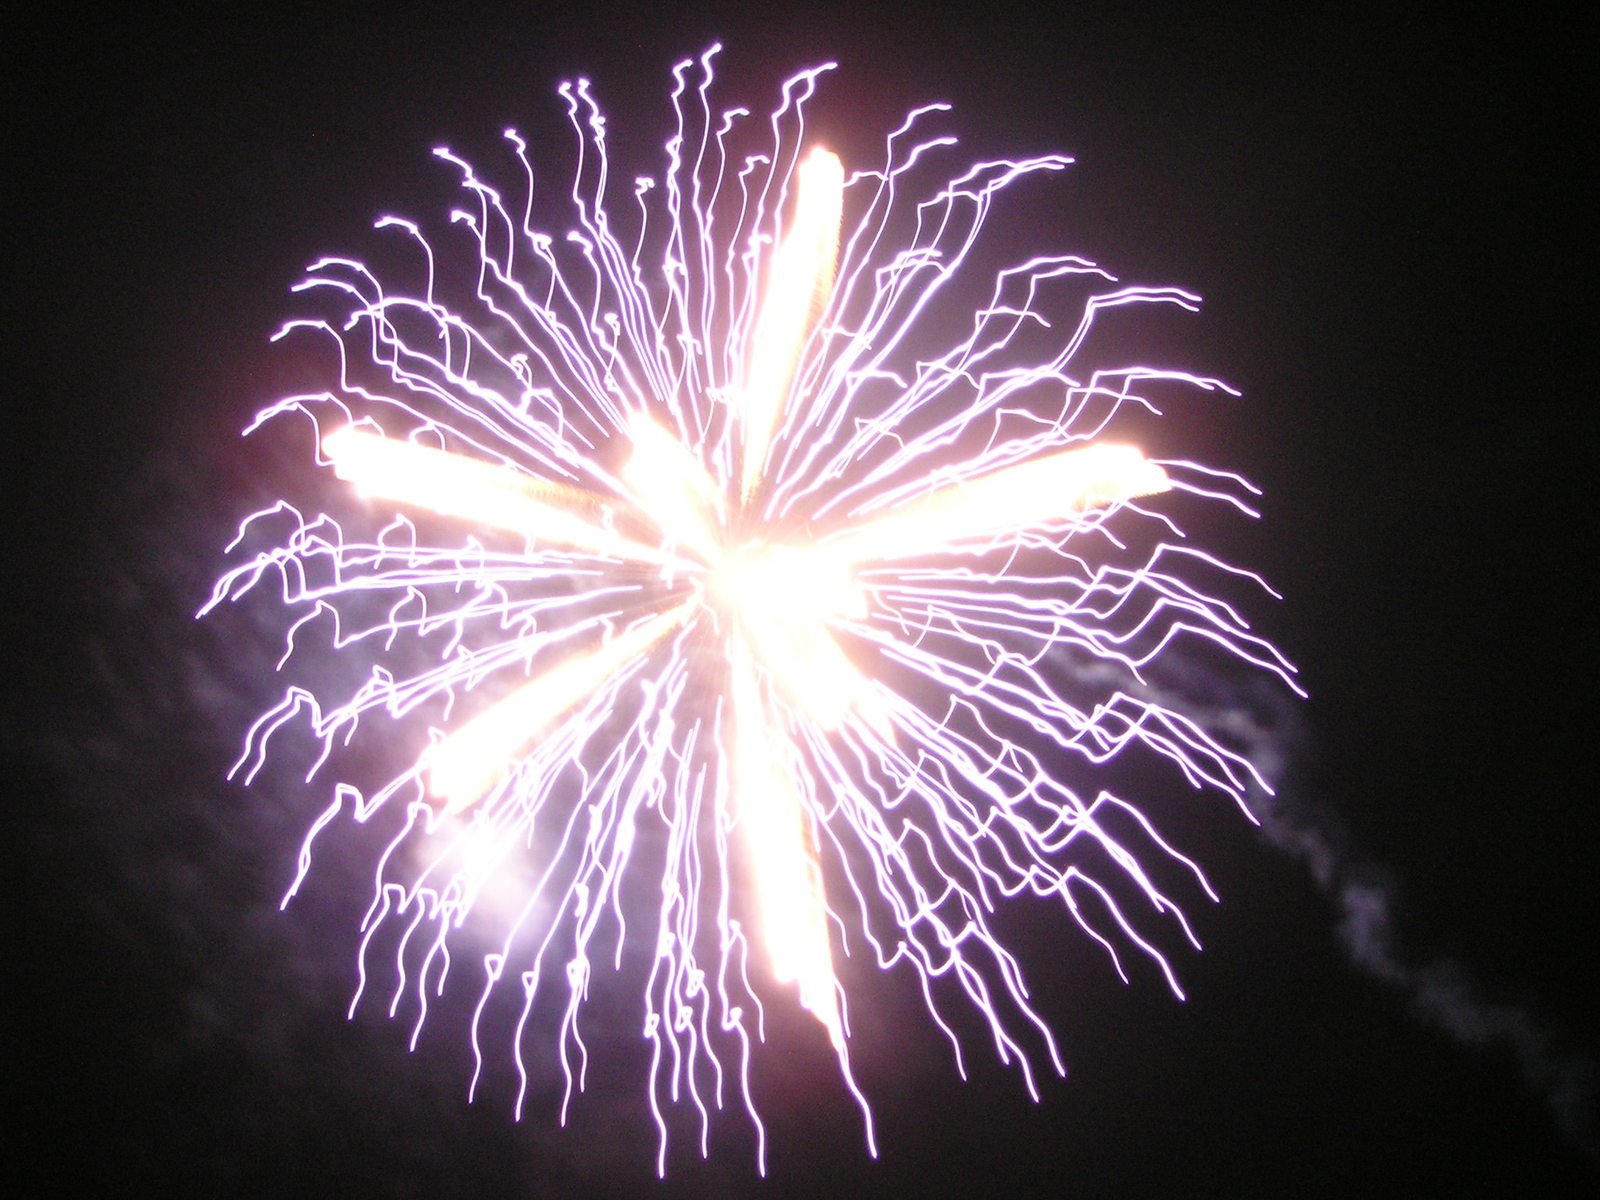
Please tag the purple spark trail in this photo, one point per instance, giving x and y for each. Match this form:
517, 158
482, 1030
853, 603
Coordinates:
999, 672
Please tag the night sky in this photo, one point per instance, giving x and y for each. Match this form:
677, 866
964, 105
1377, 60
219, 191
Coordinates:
1397, 988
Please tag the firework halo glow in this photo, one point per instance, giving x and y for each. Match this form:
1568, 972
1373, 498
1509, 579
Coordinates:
687, 555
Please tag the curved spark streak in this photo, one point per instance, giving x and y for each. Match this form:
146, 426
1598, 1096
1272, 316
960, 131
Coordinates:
709, 564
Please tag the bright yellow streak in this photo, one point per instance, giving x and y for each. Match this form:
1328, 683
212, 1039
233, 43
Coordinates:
473, 490
677, 491
467, 764
798, 287
1012, 499
780, 846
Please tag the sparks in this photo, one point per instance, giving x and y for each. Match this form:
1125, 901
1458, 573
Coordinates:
719, 570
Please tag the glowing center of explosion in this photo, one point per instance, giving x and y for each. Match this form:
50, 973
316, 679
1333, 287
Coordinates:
780, 600
784, 583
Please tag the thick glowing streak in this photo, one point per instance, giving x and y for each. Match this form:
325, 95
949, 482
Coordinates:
1017, 498
795, 646
780, 849
797, 290
467, 764
676, 492
483, 493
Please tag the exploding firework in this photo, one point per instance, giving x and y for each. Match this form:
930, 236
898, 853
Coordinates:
687, 554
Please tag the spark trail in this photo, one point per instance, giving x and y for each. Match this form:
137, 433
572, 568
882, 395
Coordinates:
684, 549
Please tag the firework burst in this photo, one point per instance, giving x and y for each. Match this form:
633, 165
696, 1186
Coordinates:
687, 552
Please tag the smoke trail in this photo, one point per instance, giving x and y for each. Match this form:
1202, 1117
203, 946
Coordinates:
1440, 991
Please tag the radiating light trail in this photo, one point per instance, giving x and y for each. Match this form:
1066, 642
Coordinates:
455, 486
463, 767
688, 548
1050, 488
798, 287
780, 849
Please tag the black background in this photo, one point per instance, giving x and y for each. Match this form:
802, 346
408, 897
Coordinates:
1382, 216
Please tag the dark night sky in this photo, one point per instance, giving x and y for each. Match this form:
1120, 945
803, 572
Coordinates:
1382, 216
